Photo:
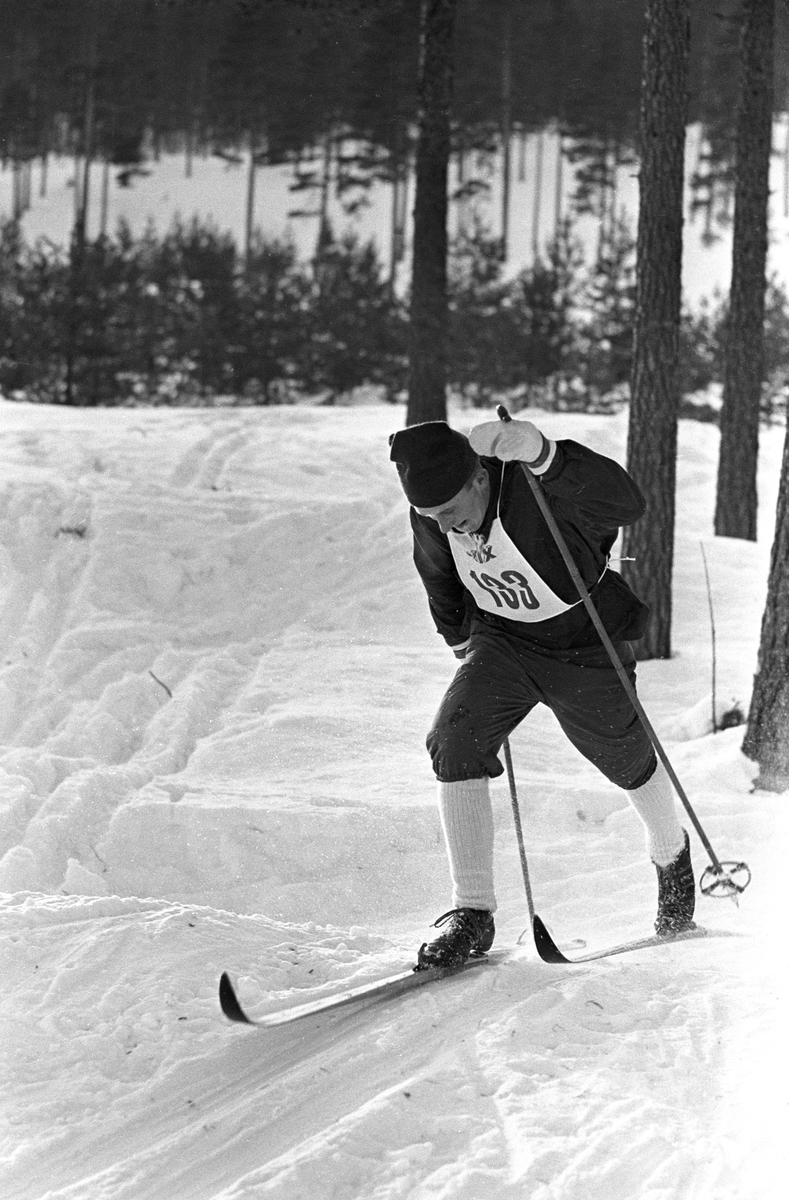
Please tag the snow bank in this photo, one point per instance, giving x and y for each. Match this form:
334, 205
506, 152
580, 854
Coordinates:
216, 675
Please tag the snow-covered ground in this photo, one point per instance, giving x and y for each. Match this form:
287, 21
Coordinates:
217, 671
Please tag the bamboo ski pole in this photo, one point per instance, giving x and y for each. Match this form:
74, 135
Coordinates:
518, 829
617, 664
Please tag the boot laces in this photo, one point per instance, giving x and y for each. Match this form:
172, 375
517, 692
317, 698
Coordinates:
462, 916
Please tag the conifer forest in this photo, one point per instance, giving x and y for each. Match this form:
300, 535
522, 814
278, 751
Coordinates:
329, 90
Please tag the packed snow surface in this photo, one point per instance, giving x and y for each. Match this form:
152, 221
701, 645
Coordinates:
217, 672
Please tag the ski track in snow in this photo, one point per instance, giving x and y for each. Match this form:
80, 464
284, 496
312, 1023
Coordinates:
216, 673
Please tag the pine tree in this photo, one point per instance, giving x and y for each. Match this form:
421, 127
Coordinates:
767, 735
735, 515
654, 406
735, 511
429, 310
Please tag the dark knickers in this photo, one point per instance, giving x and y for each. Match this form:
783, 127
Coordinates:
500, 681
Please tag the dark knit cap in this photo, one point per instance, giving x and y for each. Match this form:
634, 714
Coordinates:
434, 462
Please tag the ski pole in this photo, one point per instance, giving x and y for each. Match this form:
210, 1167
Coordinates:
518, 828
722, 883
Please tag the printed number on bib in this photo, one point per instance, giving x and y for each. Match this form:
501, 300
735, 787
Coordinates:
519, 596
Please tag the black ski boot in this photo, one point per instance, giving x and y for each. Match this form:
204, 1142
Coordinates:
676, 895
470, 932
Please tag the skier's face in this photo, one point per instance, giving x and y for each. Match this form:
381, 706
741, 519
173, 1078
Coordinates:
465, 512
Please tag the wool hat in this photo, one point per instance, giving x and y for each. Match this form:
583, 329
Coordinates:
434, 462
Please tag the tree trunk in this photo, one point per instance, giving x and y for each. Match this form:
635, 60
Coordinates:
399, 204
743, 365
77, 247
654, 405
767, 735
506, 128
558, 185
105, 197
537, 205
249, 215
428, 351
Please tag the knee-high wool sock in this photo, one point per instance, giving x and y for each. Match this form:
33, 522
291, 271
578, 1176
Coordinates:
467, 822
654, 803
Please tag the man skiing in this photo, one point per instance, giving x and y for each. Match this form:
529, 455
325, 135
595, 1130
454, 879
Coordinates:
502, 598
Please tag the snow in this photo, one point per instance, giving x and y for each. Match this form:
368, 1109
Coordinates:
217, 672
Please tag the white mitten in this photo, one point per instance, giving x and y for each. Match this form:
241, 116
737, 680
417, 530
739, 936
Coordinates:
510, 440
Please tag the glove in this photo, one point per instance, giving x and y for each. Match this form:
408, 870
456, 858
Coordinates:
510, 440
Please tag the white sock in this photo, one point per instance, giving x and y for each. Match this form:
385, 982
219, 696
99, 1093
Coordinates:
654, 803
467, 822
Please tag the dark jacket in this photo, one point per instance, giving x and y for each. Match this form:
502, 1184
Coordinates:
590, 497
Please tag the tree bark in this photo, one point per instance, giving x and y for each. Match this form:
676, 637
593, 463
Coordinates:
249, 215
506, 127
767, 734
654, 404
743, 365
428, 324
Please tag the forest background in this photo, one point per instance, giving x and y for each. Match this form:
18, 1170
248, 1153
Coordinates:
327, 92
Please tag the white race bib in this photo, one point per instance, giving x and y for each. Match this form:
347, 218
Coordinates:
500, 579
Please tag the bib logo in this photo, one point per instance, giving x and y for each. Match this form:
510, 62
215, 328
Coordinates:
481, 553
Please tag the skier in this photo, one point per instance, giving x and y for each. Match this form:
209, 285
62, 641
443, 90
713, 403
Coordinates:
502, 598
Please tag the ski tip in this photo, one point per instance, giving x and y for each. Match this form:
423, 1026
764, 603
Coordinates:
546, 947
228, 1001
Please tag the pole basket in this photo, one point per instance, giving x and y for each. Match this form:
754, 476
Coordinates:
725, 879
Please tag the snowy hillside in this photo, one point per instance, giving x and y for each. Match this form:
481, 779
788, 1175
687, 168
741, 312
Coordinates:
217, 672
